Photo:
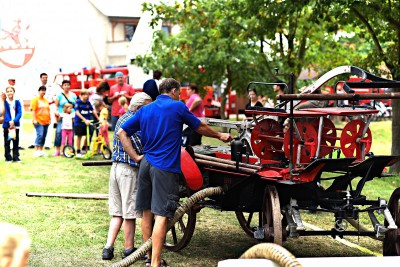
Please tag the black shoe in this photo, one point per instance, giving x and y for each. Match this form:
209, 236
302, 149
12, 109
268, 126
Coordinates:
127, 252
31, 146
21, 148
108, 253
47, 148
17, 160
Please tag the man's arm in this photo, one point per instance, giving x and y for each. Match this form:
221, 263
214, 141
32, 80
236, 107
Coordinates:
206, 130
95, 114
129, 93
33, 109
84, 120
57, 103
128, 147
112, 95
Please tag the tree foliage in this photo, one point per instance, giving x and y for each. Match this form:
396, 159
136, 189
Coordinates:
378, 23
238, 41
242, 40
207, 49
298, 35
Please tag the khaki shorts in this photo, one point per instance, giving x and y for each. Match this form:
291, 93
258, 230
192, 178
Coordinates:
122, 191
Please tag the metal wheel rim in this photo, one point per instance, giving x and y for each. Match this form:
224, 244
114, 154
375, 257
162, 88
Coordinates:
263, 148
245, 219
328, 136
309, 135
179, 236
348, 138
69, 151
391, 242
106, 152
272, 217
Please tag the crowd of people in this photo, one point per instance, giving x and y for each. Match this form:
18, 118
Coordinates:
145, 151
59, 116
146, 146
160, 125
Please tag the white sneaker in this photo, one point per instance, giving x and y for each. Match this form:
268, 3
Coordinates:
79, 155
43, 154
37, 153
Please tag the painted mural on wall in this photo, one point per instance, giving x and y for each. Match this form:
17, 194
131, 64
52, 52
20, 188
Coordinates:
16, 47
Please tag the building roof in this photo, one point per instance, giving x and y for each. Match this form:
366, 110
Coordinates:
119, 8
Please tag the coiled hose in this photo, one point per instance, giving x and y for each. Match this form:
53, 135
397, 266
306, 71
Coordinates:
141, 251
272, 252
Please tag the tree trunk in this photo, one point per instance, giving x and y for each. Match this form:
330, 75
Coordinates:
223, 102
395, 133
226, 92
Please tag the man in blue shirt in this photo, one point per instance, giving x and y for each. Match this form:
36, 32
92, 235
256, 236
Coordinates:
160, 124
123, 185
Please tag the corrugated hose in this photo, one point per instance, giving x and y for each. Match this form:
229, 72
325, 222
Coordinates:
141, 251
273, 252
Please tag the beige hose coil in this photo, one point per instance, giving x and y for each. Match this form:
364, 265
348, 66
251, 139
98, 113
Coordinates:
272, 252
141, 251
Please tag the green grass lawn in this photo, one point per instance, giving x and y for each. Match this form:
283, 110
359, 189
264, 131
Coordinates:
72, 232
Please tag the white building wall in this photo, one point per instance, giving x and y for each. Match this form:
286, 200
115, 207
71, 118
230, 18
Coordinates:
99, 32
57, 32
64, 34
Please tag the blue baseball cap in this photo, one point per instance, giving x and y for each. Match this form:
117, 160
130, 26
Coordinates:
119, 74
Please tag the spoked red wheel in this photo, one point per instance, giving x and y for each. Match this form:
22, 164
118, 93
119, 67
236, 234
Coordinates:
307, 141
179, 236
391, 242
267, 139
328, 136
352, 143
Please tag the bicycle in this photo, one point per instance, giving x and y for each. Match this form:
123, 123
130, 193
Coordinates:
68, 150
96, 143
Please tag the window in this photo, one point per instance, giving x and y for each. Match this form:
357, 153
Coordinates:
129, 31
166, 29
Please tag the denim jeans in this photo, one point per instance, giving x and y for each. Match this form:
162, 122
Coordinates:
114, 120
41, 132
7, 143
57, 140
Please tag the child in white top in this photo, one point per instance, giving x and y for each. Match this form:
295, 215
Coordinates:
67, 126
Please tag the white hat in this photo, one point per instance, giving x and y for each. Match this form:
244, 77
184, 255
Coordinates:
138, 100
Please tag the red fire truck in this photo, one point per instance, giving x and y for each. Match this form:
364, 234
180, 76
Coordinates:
87, 78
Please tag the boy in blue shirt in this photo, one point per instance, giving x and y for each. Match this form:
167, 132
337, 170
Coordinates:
83, 114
